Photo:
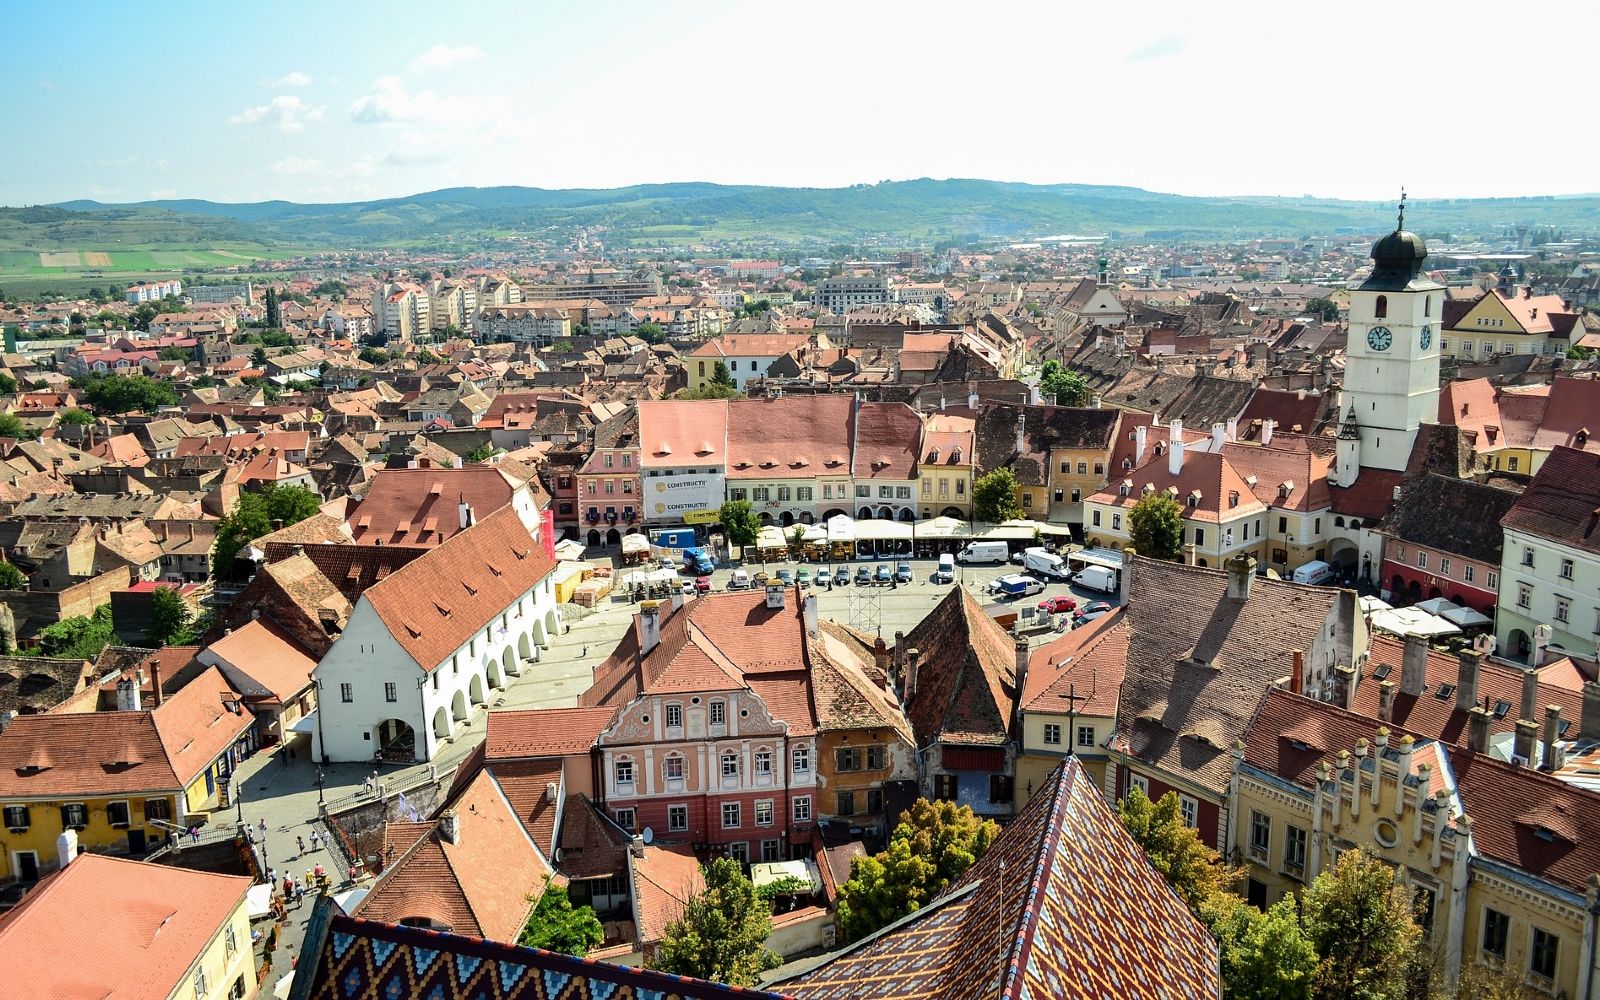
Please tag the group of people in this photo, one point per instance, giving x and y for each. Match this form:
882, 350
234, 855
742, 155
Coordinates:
294, 889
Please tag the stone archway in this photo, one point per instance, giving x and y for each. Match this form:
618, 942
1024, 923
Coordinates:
764, 518
1397, 587
552, 625
1519, 644
441, 724
1414, 591
954, 512
806, 517
864, 514
525, 648
832, 512
508, 664
475, 689
613, 538
592, 539
908, 515
458, 707
786, 518
397, 738
1343, 555
497, 678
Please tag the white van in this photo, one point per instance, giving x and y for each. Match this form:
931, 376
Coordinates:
984, 552
1317, 573
739, 580
1045, 563
946, 573
1101, 578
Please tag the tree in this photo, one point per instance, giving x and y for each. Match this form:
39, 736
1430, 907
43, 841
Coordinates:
1156, 526
169, 616
1265, 956
12, 578
142, 316
933, 846
722, 936
1175, 849
174, 354
721, 376
12, 427
74, 417
78, 637
650, 333
1064, 386
994, 496
739, 522
710, 390
1359, 919
374, 356
253, 515
8, 385
258, 357
1326, 310
272, 316
482, 453
556, 925
117, 394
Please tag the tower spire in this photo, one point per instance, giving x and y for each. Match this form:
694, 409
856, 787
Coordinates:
1401, 224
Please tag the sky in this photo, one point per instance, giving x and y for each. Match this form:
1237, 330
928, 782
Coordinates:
341, 100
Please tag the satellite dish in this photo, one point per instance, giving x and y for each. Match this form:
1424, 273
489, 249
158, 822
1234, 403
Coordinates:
649, 835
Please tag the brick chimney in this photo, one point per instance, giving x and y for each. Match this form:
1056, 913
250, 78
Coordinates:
155, 682
450, 826
1478, 729
1022, 649
1241, 573
1414, 666
1267, 427
1021, 436
1468, 662
1523, 745
1530, 695
1344, 685
649, 627
1297, 674
1125, 584
1386, 691
913, 662
1552, 735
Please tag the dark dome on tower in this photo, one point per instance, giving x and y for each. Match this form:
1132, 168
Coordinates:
1400, 248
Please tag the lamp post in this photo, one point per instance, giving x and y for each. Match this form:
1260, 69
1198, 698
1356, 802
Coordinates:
320, 780
238, 800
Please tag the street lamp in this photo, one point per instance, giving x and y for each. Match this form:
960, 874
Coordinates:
319, 786
238, 800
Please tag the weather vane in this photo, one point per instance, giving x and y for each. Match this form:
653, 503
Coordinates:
1402, 223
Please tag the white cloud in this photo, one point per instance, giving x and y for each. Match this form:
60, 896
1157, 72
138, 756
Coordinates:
295, 165
389, 101
291, 79
415, 148
362, 168
164, 193
446, 56
285, 111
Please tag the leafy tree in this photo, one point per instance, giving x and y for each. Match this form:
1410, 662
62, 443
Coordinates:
12, 578
79, 637
117, 394
169, 616
1360, 920
1063, 385
1326, 310
556, 925
994, 496
1265, 956
1155, 524
174, 354
253, 515
933, 846
722, 936
739, 522
710, 391
142, 316
1175, 849
374, 356
74, 417
8, 385
482, 453
427, 357
650, 333
258, 357
720, 375
12, 427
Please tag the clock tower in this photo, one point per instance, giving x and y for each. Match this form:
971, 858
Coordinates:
1391, 375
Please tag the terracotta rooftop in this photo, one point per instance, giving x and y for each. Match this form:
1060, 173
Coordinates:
966, 681
798, 436
269, 663
1562, 503
421, 506
1085, 663
545, 732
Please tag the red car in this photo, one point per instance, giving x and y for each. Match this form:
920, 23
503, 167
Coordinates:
702, 584
1058, 605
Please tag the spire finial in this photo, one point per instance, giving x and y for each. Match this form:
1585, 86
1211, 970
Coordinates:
1398, 226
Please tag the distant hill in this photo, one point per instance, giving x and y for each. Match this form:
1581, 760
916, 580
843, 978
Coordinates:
659, 214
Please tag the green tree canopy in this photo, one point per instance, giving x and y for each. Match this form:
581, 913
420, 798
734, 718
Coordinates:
556, 925
739, 522
8, 385
76, 638
1175, 849
1326, 310
272, 316
11, 426
720, 374
1360, 921
482, 453
1155, 525
117, 394
933, 846
74, 417
650, 333
169, 616
710, 390
722, 936
374, 355
253, 515
1265, 956
994, 496
1063, 386
11, 578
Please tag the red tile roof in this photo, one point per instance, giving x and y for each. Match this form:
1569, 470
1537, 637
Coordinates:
545, 732
421, 506
265, 654
966, 680
887, 439
1562, 503
794, 436
435, 603
1086, 663
526, 784
678, 433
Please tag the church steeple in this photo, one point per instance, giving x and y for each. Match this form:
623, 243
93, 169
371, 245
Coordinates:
1347, 452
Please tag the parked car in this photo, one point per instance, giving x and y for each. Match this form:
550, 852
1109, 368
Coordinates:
824, 578
1016, 585
785, 577
841, 576
702, 584
863, 576
760, 579
802, 576
946, 570
902, 572
665, 563
883, 577
740, 580
1099, 609
1058, 605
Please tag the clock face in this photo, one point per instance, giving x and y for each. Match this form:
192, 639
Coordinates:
1379, 338
1427, 337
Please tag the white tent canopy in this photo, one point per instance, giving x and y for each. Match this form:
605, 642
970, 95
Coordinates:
878, 528
1438, 606
1371, 604
771, 537
941, 527
258, 901
815, 533
635, 544
841, 528
1466, 617
1411, 621
1031, 527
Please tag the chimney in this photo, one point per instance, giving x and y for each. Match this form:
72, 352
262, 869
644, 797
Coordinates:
1095, 402
1241, 571
1189, 558
1478, 729
913, 662
464, 515
1541, 643
1219, 434
1530, 695
128, 694
1034, 396
1233, 429
1140, 434
649, 627
1297, 676
155, 682
277, 524
1386, 691
1344, 686
1021, 437
1175, 447
1266, 430
1414, 666
66, 847
1552, 735
552, 791
450, 826
1589, 721
810, 606
1403, 750
1125, 584
1020, 645
899, 672
775, 593
1523, 745
1468, 663
880, 655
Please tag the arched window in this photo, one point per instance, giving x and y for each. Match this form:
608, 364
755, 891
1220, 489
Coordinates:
1380, 309
1427, 305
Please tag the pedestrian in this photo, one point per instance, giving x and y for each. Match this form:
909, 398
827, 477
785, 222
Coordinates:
321, 873
288, 884
585, 650
300, 845
315, 841
194, 833
249, 835
272, 877
307, 880
262, 826
299, 892
291, 753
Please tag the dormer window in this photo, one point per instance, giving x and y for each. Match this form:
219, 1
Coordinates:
1194, 500
1233, 498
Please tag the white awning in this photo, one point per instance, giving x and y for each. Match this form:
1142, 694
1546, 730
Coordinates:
771, 537
1411, 621
941, 527
305, 724
880, 528
1042, 527
841, 528
1466, 617
1438, 606
635, 544
1109, 558
258, 901
767, 872
1371, 604
815, 533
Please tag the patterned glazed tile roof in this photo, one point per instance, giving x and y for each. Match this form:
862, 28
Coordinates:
1063, 906
353, 959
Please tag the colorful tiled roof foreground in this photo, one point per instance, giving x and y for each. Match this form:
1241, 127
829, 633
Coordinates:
1064, 906
365, 960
